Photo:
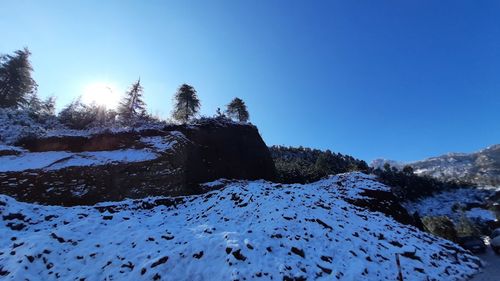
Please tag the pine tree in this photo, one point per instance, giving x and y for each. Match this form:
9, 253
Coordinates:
187, 103
132, 106
40, 107
408, 170
16, 83
238, 110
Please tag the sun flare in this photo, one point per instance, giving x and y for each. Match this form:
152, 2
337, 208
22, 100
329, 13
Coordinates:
101, 93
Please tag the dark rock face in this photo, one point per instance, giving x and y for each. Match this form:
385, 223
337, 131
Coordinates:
7, 152
234, 152
200, 154
101, 142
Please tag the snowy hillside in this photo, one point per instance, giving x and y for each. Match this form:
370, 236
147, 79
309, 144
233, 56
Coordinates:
482, 167
247, 230
470, 202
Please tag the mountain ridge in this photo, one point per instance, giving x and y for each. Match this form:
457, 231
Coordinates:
480, 168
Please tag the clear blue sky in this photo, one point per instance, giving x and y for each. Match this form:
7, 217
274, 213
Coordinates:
397, 79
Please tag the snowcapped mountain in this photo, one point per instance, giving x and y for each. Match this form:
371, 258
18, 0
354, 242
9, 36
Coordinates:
241, 230
380, 162
482, 167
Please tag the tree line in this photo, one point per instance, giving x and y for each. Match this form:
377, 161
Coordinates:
407, 185
18, 90
306, 165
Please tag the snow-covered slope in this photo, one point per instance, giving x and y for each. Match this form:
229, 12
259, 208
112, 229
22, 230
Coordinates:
454, 203
246, 231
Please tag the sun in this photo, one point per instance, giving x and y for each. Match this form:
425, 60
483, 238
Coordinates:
102, 93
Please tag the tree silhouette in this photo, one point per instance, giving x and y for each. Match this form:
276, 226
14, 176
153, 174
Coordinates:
16, 83
238, 110
76, 115
132, 106
41, 107
186, 104
408, 170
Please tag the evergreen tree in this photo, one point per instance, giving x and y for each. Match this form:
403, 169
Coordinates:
238, 110
76, 115
301, 165
219, 114
323, 165
186, 104
40, 107
16, 83
100, 114
408, 170
387, 167
132, 106
48, 106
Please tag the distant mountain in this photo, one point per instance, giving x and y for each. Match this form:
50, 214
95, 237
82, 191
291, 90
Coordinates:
380, 162
482, 167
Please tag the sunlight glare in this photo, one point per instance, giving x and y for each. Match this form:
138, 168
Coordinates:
101, 93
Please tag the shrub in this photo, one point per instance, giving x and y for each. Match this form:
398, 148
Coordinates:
78, 115
17, 124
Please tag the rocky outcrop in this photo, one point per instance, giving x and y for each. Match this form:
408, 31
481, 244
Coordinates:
387, 203
234, 152
100, 142
374, 196
196, 154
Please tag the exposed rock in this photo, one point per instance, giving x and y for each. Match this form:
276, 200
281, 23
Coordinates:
238, 255
198, 154
298, 252
100, 142
159, 261
379, 199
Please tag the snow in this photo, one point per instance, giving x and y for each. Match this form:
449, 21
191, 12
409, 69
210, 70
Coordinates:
442, 204
247, 230
11, 149
481, 214
215, 183
115, 129
53, 160
17, 124
490, 270
159, 142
